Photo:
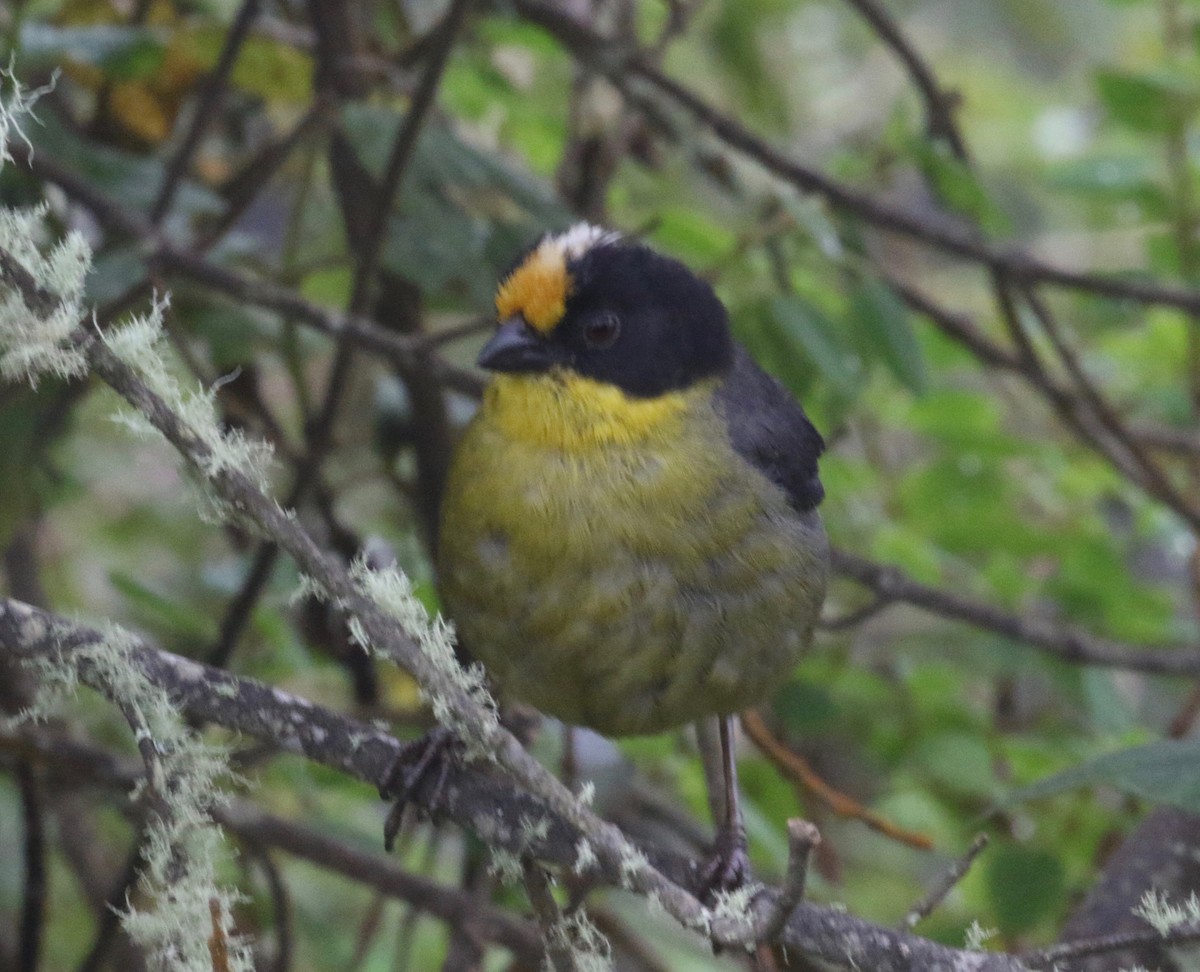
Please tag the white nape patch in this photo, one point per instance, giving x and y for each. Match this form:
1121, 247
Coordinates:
581, 237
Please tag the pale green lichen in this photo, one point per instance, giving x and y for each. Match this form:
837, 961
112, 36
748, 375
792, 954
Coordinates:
15, 105
1164, 915
731, 909
585, 857
34, 334
308, 587
532, 831
182, 845
392, 591
633, 863
505, 867
42, 313
588, 946
978, 936
138, 343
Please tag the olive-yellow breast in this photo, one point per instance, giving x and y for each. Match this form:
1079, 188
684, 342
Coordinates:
629, 534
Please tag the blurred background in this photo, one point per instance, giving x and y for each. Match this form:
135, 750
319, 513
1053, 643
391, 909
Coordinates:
1008, 380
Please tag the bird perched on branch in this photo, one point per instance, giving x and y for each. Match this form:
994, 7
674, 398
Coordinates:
630, 538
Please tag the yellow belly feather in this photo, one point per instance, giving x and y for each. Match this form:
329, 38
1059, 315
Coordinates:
613, 562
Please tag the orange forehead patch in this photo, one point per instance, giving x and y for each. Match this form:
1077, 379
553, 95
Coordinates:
537, 289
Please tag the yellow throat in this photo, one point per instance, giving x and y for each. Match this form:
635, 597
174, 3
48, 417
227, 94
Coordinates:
561, 410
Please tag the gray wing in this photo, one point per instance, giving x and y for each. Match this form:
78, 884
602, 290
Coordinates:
770, 430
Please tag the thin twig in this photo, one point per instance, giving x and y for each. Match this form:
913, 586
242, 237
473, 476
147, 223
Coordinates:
1119, 942
795, 767
407, 932
36, 298
1024, 363
239, 611
945, 884
448, 335
244, 186
1182, 442
852, 619
479, 799
33, 901
1064, 642
1155, 481
549, 917
802, 838
206, 107
399, 158
360, 330
281, 904
449, 904
218, 940
109, 922
939, 105
1089, 418
402, 152
620, 64
632, 941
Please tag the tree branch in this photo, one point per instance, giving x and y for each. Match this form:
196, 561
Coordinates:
620, 64
449, 904
945, 884
206, 107
939, 104
479, 801
1063, 642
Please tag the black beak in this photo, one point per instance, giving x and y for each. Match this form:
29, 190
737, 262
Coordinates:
516, 347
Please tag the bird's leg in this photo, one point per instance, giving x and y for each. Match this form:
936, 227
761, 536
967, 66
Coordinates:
729, 867
424, 762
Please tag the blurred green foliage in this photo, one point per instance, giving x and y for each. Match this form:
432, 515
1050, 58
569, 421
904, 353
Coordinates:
955, 473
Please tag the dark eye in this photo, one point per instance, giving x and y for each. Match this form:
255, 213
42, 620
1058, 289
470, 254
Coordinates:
600, 332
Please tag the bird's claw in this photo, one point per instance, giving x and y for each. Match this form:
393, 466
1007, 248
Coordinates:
728, 867
422, 763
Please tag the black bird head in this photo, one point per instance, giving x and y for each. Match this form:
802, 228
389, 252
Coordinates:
587, 301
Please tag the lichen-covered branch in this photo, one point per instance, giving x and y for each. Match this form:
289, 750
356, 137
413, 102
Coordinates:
480, 800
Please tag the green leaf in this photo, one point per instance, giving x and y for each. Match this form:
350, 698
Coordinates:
121, 175
1112, 178
805, 707
959, 762
692, 235
737, 38
1024, 883
19, 435
233, 334
885, 327
967, 421
1109, 710
114, 271
180, 618
265, 67
1167, 771
1150, 101
807, 328
124, 53
957, 184
445, 234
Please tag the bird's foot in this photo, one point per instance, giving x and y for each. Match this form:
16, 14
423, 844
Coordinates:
728, 867
422, 763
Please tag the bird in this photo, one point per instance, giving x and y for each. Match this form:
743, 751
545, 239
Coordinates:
629, 536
